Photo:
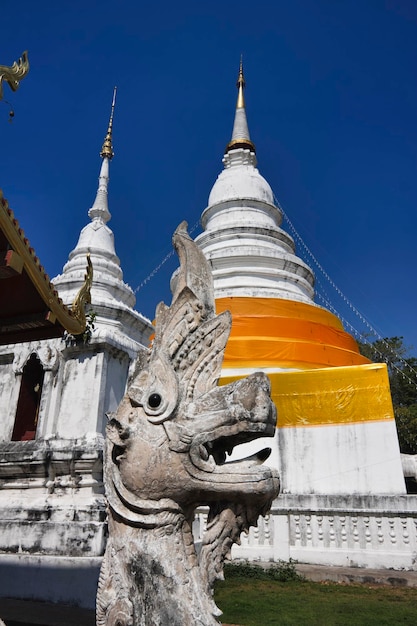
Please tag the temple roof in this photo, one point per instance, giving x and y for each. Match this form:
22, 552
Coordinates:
31, 308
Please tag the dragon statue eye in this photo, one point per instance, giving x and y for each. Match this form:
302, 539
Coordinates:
154, 400
155, 389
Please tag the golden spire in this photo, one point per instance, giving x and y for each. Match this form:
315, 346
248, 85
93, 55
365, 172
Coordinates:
240, 134
107, 149
241, 86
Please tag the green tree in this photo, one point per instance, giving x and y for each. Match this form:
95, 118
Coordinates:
406, 420
390, 350
402, 370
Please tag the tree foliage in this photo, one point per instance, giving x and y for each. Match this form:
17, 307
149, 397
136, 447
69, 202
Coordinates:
402, 370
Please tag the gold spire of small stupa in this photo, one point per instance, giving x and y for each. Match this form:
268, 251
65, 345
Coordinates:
241, 86
107, 148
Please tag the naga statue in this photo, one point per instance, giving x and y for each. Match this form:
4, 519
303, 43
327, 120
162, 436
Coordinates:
166, 450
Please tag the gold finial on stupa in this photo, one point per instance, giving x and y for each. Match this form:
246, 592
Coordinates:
241, 86
240, 134
107, 149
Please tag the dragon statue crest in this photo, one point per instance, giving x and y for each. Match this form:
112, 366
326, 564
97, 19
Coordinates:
165, 455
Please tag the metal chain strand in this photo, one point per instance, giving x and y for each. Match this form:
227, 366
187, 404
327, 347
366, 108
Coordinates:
326, 300
324, 297
161, 264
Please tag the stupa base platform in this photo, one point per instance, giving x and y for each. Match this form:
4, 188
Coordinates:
378, 532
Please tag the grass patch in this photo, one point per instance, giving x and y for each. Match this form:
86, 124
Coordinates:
283, 571
254, 599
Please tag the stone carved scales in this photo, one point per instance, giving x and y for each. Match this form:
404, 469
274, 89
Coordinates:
165, 455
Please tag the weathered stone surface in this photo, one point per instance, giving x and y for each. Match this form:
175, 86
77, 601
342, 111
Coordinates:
51, 497
165, 455
409, 465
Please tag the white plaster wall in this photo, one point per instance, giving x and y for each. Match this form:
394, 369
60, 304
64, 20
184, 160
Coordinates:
50, 401
334, 460
240, 180
8, 396
350, 531
116, 380
91, 382
264, 283
81, 383
250, 255
274, 241
359, 458
82, 395
241, 212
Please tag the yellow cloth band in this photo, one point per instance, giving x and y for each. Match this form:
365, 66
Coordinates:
323, 397
268, 332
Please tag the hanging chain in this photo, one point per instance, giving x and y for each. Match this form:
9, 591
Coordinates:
362, 337
409, 437
161, 264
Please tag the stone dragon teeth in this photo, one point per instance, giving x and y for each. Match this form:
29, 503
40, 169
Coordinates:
165, 452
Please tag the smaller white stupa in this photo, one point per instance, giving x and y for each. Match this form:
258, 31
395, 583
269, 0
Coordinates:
112, 300
120, 332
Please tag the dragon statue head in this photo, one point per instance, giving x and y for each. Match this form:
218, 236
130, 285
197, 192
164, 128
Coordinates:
167, 445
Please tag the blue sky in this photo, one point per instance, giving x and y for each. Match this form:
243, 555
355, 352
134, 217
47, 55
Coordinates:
332, 108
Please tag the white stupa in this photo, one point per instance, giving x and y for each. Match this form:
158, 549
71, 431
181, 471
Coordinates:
112, 299
258, 276
333, 404
343, 498
250, 254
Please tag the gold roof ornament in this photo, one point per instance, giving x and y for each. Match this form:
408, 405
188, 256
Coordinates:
83, 297
12, 75
107, 148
